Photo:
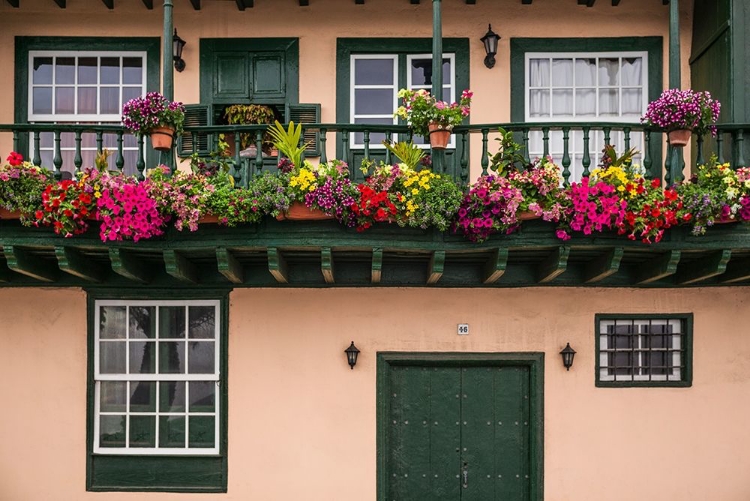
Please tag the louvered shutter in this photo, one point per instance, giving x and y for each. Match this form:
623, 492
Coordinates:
306, 114
195, 115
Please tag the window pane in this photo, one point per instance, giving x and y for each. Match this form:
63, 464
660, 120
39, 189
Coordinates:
609, 102
201, 357
562, 72
374, 101
632, 71
112, 431
142, 357
609, 72
171, 431
562, 103
87, 67
113, 395
172, 396
132, 70
202, 431
109, 73
171, 321
112, 357
421, 72
539, 73
632, 101
202, 396
42, 100
202, 322
87, 100
42, 70
373, 72
65, 100
585, 102
129, 93
585, 72
65, 70
142, 320
172, 357
142, 431
110, 100
375, 137
539, 103
142, 396
112, 322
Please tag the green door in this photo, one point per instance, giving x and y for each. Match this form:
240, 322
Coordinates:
456, 432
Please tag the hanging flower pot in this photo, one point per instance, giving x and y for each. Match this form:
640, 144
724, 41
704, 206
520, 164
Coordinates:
439, 136
162, 138
679, 137
300, 212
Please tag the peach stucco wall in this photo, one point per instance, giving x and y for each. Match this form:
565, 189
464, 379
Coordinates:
302, 424
318, 26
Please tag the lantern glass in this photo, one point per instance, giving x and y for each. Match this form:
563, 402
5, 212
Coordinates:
177, 45
351, 355
568, 354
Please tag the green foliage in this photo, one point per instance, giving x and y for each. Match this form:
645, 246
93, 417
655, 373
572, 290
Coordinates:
250, 114
408, 153
217, 161
509, 156
271, 193
232, 206
288, 141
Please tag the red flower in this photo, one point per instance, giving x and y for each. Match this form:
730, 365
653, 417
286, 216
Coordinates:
15, 158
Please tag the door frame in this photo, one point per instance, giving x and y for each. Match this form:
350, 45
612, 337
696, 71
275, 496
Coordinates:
533, 360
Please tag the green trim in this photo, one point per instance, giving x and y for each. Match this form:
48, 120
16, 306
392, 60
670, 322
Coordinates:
533, 360
151, 45
687, 338
209, 46
136, 473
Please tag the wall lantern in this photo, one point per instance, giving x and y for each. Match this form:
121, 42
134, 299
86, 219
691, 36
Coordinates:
567, 355
490, 47
351, 355
177, 45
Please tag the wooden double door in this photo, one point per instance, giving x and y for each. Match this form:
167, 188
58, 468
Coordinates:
460, 427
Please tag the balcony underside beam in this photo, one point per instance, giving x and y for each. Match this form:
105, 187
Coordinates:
606, 265
22, 261
707, 267
229, 266
72, 261
180, 267
130, 266
662, 267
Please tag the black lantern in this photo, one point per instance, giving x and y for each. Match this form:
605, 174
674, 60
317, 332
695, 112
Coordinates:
490, 47
351, 355
567, 355
177, 45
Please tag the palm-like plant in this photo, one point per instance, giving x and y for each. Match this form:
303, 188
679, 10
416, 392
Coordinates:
288, 141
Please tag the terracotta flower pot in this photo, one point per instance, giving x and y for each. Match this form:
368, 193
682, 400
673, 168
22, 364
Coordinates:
679, 137
299, 212
162, 138
439, 136
208, 218
527, 216
6, 214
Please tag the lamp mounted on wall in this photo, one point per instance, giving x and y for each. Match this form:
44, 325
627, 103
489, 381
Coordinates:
351, 355
490, 40
567, 355
177, 45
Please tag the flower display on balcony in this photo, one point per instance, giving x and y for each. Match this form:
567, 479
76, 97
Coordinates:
683, 109
142, 115
21, 186
419, 108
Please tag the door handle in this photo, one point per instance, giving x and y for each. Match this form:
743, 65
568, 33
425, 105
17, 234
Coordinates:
465, 474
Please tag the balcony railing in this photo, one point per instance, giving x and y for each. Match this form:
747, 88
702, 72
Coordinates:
574, 146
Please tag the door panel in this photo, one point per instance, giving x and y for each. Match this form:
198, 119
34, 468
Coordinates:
512, 436
231, 76
268, 75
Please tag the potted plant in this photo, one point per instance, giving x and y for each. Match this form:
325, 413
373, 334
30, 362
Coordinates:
430, 117
682, 112
249, 114
156, 116
21, 187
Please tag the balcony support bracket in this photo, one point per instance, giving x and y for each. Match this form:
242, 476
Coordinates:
603, 266
72, 261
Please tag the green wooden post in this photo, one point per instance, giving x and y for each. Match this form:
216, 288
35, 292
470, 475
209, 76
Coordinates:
438, 158
167, 158
677, 159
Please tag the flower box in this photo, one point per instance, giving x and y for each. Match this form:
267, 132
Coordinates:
300, 212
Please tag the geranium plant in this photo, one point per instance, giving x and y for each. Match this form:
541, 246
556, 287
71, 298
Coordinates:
21, 186
142, 114
683, 109
68, 205
420, 108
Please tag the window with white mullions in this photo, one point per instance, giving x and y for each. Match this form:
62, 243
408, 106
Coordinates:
585, 88
80, 87
156, 366
641, 350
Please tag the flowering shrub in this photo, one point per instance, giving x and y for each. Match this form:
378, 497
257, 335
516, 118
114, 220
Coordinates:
68, 204
126, 211
183, 196
420, 108
683, 109
541, 189
142, 114
490, 206
373, 207
21, 186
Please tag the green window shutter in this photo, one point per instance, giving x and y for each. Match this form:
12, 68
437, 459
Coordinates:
306, 114
195, 115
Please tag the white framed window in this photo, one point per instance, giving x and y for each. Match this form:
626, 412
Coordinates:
586, 88
375, 81
156, 375
83, 87
642, 349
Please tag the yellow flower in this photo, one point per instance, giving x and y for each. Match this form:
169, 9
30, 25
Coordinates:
415, 191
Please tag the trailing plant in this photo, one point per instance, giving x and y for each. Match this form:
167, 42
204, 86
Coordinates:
126, 210
270, 192
419, 108
683, 109
490, 206
180, 197
21, 187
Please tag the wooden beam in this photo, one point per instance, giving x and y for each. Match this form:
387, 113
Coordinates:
414, 2
304, 3
471, 2
553, 266
495, 267
587, 3
359, 2
704, 268
60, 3
73, 262
277, 265
377, 265
129, 266
243, 4
605, 265
229, 266
4, 274
435, 268
658, 268
21, 261
738, 270
326, 264
526, 2
615, 3
109, 3
180, 267
14, 3
149, 4
196, 4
